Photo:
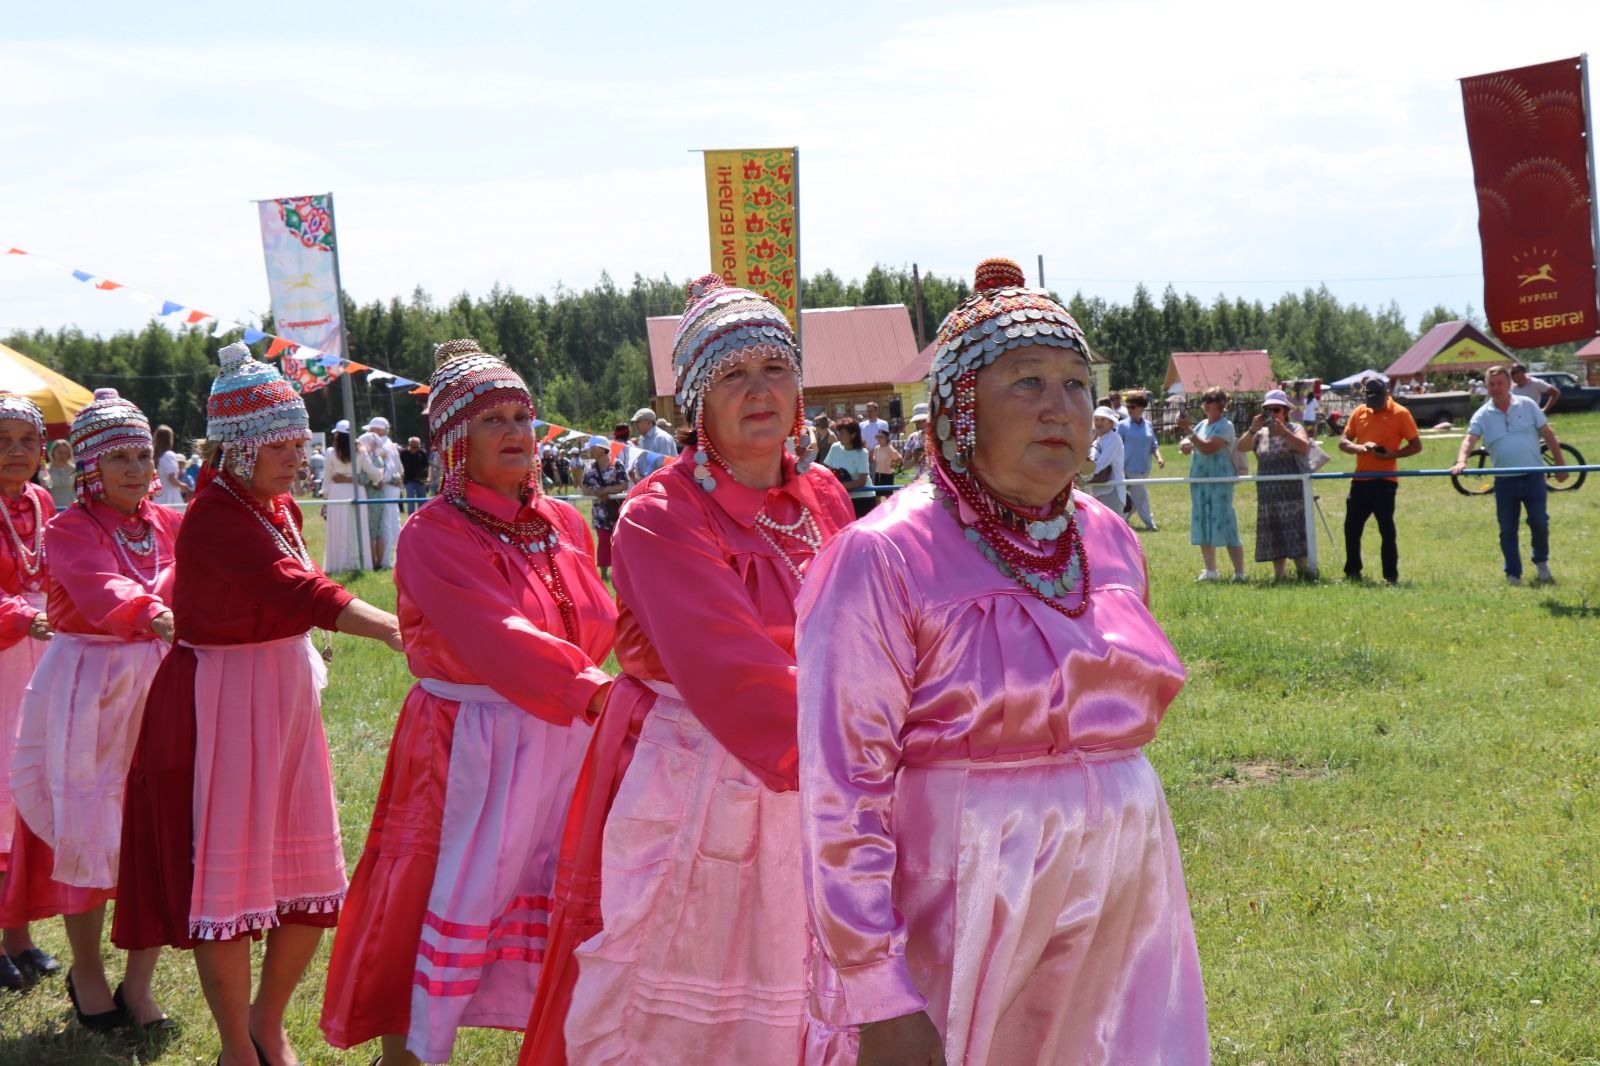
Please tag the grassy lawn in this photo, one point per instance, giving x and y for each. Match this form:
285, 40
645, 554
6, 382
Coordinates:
1385, 796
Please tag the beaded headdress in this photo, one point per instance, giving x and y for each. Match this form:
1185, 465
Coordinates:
109, 424
251, 405
1001, 314
723, 326
23, 410
466, 380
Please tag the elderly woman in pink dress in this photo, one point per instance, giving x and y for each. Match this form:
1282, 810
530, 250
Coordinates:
506, 622
24, 628
110, 584
229, 826
991, 871
702, 954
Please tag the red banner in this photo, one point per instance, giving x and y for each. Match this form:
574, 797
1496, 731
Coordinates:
1531, 163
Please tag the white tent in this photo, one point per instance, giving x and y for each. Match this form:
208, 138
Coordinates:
1355, 379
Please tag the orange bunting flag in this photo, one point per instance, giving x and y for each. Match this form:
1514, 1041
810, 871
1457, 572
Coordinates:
616, 449
107, 286
196, 317
553, 432
421, 390
15, 251
279, 345
354, 367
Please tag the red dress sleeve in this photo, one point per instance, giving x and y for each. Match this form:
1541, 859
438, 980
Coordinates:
236, 586
473, 604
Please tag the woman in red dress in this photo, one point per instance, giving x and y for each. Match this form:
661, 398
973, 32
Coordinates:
24, 628
229, 827
505, 623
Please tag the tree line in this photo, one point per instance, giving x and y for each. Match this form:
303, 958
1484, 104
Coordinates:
586, 357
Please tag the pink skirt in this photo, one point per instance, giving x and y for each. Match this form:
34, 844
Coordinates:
16, 668
266, 829
1046, 917
703, 955
80, 719
447, 918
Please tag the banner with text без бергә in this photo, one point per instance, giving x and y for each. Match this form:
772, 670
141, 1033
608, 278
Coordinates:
1531, 163
755, 227
297, 237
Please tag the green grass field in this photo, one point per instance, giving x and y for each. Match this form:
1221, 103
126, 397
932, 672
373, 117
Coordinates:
1386, 799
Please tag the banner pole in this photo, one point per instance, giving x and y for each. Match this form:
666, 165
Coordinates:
348, 395
1594, 196
799, 279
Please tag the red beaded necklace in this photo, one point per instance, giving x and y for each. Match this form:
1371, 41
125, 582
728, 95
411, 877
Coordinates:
1039, 573
532, 536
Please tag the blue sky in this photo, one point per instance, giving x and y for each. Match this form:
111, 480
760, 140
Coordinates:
1237, 148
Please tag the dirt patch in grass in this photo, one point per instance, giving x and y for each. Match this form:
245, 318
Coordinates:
1266, 772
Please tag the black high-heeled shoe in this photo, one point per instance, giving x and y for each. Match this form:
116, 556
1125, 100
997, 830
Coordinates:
158, 1027
104, 1022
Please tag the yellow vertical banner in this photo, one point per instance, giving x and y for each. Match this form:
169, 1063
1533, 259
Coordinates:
752, 206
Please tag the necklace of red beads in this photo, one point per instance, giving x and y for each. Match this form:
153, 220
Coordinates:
533, 536
1040, 573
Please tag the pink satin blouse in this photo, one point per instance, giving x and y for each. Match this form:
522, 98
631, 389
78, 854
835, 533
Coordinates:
91, 589
472, 611
928, 655
708, 602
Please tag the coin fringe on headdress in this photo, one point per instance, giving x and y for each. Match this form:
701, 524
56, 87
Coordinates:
1001, 314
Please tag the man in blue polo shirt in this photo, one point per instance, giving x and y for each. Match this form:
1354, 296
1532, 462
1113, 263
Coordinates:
1511, 427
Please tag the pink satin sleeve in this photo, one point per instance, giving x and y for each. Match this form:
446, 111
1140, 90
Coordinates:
105, 599
470, 607
857, 669
681, 587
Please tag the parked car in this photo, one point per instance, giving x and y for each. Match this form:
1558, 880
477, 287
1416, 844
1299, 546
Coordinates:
1574, 397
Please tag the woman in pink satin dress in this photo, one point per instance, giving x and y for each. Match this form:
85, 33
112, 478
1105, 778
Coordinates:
111, 576
991, 871
701, 958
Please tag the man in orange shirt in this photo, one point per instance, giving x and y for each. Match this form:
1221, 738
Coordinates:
1377, 433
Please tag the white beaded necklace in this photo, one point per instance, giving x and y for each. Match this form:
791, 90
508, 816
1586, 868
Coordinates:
144, 545
804, 529
29, 562
296, 550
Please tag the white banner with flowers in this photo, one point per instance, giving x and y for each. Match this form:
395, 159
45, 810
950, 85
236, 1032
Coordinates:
297, 236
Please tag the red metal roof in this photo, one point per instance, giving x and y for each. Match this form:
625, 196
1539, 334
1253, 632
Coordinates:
1244, 371
1417, 357
841, 346
1590, 351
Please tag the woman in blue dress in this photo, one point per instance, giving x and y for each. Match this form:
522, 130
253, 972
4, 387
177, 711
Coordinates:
1212, 524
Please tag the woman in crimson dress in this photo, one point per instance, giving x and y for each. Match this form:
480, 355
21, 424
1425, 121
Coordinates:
701, 957
229, 827
25, 509
110, 585
505, 623
991, 871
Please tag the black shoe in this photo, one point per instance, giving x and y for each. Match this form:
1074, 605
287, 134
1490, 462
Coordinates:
104, 1022
10, 976
35, 963
160, 1027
